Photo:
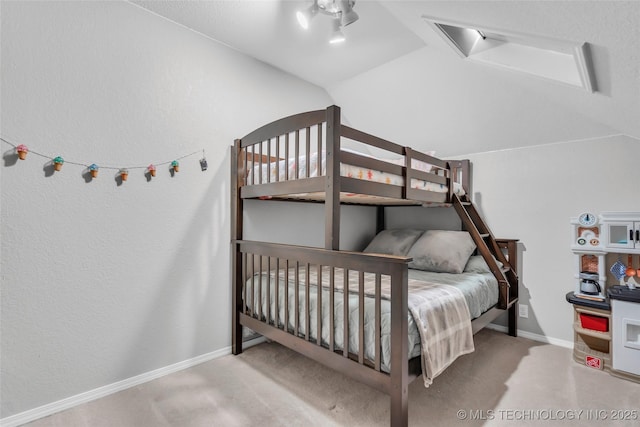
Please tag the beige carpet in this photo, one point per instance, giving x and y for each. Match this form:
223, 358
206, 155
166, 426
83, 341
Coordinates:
505, 382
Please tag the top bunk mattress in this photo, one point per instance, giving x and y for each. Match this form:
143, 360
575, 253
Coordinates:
286, 170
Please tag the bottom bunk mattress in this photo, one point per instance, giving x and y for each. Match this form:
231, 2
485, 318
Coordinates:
441, 306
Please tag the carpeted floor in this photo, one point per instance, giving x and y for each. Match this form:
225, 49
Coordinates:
505, 382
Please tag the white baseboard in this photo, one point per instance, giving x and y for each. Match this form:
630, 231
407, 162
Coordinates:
532, 336
70, 402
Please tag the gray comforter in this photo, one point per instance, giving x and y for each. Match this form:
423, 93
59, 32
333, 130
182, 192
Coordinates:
478, 291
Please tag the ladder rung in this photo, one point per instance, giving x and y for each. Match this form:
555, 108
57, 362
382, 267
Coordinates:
485, 235
505, 269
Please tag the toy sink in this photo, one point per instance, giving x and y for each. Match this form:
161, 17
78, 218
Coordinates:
623, 293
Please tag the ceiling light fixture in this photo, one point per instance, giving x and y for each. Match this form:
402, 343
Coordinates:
337, 36
305, 16
341, 11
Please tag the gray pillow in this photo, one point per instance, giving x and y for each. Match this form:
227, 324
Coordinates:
477, 264
442, 251
393, 242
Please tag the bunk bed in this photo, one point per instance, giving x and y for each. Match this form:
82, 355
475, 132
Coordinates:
356, 311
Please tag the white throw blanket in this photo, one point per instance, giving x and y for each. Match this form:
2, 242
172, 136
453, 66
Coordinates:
444, 323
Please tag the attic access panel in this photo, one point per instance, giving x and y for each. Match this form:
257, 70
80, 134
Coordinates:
562, 61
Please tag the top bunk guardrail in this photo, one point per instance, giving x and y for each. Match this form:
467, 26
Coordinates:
297, 157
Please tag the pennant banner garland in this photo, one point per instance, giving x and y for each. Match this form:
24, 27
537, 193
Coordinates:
93, 168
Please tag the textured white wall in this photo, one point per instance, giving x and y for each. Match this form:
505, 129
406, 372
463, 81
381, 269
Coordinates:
298, 223
102, 282
531, 193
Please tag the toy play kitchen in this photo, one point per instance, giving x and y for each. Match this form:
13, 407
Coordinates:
607, 317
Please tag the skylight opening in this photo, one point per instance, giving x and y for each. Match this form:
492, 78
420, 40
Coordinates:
561, 61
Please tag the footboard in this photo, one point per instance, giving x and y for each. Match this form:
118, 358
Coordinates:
269, 278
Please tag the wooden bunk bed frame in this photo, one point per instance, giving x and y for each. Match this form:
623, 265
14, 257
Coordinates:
252, 258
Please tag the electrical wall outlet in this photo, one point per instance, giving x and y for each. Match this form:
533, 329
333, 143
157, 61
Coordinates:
523, 310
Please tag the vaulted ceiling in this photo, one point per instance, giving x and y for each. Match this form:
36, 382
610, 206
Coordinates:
396, 78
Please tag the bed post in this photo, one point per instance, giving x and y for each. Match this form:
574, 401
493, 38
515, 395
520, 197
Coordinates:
512, 317
380, 219
332, 199
465, 167
236, 256
399, 391
459, 171
511, 246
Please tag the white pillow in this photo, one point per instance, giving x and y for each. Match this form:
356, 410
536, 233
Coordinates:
442, 251
393, 242
477, 264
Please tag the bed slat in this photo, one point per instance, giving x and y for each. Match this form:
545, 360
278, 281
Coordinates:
319, 148
345, 315
244, 283
268, 177
268, 290
319, 306
286, 157
260, 311
297, 155
297, 307
253, 175
307, 154
253, 285
260, 163
332, 280
286, 295
307, 309
377, 332
246, 166
278, 159
361, 317
276, 316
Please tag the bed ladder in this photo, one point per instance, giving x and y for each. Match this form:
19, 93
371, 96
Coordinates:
490, 250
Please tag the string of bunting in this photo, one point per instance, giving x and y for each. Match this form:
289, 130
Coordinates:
22, 151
